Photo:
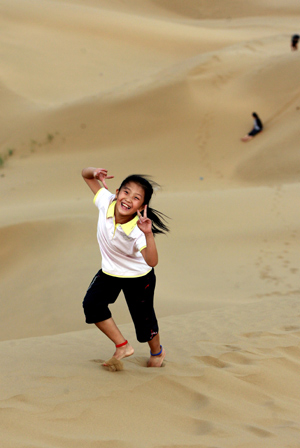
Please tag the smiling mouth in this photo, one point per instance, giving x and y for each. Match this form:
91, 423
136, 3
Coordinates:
125, 206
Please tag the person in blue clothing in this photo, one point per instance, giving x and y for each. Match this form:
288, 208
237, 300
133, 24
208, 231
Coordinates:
125, 233
257, 128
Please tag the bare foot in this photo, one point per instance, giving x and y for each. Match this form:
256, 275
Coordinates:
123, 352
246, 138
120, 353
156, 361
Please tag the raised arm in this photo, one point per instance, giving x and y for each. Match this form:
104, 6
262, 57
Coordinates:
94, 177
150, 252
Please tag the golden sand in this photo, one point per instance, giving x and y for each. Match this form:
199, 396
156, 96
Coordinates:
165, 88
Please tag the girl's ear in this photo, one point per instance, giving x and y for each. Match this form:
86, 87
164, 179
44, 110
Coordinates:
116, 196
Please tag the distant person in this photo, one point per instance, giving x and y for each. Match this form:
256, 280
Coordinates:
257, 128
294, 42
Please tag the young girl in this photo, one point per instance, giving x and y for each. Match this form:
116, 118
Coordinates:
125, 233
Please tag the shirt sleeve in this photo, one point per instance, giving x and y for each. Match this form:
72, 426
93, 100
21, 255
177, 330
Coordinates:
103, 198
141, 242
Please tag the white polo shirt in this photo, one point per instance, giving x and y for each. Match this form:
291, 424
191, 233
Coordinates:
120, 245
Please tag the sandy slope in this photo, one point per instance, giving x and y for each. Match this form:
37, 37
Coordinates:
231, 379
163, 88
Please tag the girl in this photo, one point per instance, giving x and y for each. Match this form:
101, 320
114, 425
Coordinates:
125, 233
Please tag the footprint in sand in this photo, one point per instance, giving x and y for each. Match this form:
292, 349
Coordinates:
259, 431
292, 328
212, 361
276, 201
202, 138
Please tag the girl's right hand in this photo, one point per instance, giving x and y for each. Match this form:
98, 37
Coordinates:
101, 175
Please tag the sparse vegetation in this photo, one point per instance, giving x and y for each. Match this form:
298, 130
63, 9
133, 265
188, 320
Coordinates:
4, 155
33, 146
49, 139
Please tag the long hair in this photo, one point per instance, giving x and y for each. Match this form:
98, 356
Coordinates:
158, 219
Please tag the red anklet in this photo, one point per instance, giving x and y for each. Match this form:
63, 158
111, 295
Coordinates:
122, 345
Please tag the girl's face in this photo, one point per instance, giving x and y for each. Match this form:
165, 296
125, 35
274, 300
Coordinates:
130, 199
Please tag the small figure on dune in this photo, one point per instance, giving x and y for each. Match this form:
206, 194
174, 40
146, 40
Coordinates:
257, 128
126, 228
294, 42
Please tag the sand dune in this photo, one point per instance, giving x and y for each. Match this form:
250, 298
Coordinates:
226, 380
166, 89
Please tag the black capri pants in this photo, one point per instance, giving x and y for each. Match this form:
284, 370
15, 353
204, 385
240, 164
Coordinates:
139, 294
254, 132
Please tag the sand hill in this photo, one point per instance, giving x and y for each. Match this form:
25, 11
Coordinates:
167, 89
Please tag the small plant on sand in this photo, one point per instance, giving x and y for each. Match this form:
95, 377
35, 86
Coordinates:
33, 144
4, 155
50, 137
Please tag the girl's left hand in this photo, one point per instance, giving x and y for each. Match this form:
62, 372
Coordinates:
144, 223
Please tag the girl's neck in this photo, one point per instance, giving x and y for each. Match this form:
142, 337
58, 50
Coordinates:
119, 219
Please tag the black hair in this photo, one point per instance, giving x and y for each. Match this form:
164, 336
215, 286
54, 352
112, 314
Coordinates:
157, 218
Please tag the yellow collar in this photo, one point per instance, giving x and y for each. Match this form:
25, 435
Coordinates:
128, 226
